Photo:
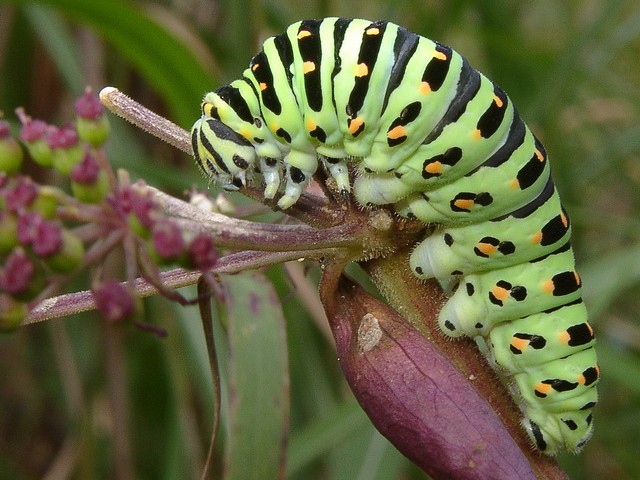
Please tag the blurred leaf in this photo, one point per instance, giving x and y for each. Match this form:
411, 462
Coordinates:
59, 43
319, 436
620, 367
161, 58
609, 276
258, 379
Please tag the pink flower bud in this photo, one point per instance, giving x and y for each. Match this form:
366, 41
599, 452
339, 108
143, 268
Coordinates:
167, 239
88, 106
202, 252
20, 195
86, 172
114, 301
17, 272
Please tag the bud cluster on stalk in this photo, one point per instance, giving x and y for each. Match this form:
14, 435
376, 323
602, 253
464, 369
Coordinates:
49, 234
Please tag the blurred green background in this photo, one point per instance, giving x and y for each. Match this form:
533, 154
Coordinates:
80, 399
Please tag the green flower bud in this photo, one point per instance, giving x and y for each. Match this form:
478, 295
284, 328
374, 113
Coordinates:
8, 232
94, 132
66, 150
11, 154
92, 124
34, 135
69, 256
89, 183
46, 202
12, 313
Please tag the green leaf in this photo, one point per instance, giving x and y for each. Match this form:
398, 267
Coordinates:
258, 379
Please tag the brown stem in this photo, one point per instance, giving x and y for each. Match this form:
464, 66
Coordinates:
72, 303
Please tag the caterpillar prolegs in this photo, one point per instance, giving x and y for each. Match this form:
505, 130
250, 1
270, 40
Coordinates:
442, 143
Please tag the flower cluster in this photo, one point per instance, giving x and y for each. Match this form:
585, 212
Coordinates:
47, 234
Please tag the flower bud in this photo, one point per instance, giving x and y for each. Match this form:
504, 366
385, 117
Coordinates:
27, 229
12, 313
19, 194
115, 302
34, 135
20, 277
167, 244
66, 149
8, 232
92, 124
89, 183
47, 200
137, 207
202, 253
11, 155
69, 256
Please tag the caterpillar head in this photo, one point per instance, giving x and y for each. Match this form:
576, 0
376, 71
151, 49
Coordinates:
236, 106
221, 152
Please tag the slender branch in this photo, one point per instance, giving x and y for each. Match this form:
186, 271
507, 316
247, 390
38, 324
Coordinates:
77, 302
244, 234
158, 126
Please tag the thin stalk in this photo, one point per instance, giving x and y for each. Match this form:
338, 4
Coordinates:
77, 302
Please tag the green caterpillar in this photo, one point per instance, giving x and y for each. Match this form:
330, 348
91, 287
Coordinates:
442, 143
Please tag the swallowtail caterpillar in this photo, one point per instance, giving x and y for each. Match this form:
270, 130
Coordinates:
442, 143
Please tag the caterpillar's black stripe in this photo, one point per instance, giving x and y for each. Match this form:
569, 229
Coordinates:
310, 48
515, 139
468, 87
404, 48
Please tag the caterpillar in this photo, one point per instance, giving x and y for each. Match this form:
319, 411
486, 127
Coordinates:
441, 143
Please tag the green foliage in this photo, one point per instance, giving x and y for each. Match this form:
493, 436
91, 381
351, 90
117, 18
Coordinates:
82, 388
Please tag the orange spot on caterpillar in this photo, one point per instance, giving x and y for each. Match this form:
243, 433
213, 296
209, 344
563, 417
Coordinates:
255, 67
519, 344
514, 184
311, 125
578, 281
548, 286
564, 337
486, 248
361, 70
308, 67
263, 86
464, 204
424, 88
372, 31
500, 293
543, 389
564, 220
397, 132
537, 238
246, 133
476, 134
303, 34
355, 124
539, 155
439, 55
433, 167
498, 101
